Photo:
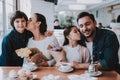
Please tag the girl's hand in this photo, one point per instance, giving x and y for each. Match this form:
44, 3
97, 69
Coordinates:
80, 65
75, 64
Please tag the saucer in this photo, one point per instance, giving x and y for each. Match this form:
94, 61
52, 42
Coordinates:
63, 70
98, 73
29, 67
33, 68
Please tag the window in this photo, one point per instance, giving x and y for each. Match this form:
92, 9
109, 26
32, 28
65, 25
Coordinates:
10, 8
1, 18
6, 8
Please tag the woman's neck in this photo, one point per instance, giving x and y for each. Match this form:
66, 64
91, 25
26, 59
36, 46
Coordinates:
72, 43
38, 36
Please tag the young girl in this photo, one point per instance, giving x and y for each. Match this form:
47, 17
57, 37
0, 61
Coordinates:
16, 39
76, 54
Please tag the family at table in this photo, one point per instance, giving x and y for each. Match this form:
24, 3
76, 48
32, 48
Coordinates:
82, 45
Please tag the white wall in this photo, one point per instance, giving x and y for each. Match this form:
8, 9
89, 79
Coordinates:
45, 8
116, 13
105, 17
25, 6
39, 6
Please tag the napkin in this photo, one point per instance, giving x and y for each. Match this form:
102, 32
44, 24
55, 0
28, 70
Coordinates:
81, 77
51, 77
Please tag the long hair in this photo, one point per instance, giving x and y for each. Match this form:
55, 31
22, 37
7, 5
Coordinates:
43, 25
66, 32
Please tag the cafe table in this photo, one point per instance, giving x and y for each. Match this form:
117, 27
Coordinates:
44, 71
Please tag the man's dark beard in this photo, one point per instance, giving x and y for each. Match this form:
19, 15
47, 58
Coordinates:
91, 35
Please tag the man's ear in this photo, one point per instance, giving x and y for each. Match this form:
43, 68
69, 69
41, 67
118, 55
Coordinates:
95, 22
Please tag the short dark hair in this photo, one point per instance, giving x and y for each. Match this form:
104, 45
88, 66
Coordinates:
17, 14
100, 23
118, 18
56, 20
83, 14
43, 26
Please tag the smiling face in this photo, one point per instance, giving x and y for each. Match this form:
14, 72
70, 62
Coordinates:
87, 26
32, 23
20, 24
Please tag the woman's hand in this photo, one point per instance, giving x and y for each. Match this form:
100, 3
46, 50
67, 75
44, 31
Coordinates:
49, 33
39, 59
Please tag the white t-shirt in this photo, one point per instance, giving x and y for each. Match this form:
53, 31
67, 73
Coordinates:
69, 53
78, 54
42, 45
90, 48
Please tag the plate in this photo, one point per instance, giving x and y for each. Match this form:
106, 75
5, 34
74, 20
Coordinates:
31, 68
94, 73
60, 69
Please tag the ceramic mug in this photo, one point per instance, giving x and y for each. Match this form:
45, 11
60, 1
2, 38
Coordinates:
65, 67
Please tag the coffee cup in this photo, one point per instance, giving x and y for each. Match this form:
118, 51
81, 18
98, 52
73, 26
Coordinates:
65, 67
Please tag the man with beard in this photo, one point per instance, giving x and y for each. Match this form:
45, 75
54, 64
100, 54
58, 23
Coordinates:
102, 44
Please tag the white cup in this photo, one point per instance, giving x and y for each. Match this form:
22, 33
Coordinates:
13, 74
65, 67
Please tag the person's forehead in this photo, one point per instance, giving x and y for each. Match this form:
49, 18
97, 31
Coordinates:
73, 28
84, 19
20, 18
33, 16
56, 22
